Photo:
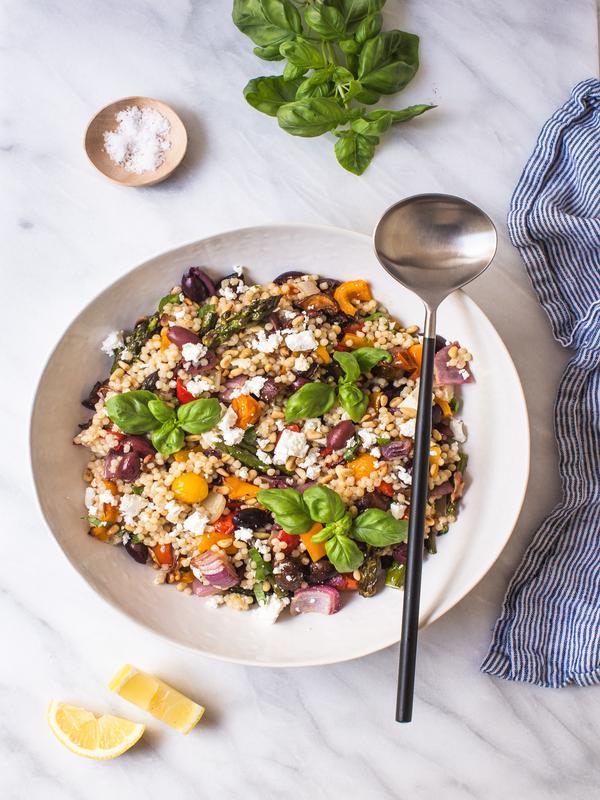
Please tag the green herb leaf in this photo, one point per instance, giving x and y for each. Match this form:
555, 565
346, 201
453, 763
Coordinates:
349, 47
311, 116
376, 315
353, 400
344, 554
292, 73
324, 505
395, 575
354, 11
289, 509
269, 94
379, 528
354, 151
388, 61
350, 452
130, 413
160, 410
368, 357
376, 123
303, 54
138, 489
263, 568
96, 522
338, 528
319, 84
169, 438
348, 363
311, 400
268, 53
368, 27
383, 440
168, 298
326, 20
267, 22
199, 415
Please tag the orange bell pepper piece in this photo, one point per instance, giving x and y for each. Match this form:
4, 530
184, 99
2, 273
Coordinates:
444, 405
163, 553
416, 353
322, 354
316, 550
350, 291
208, 539
247, 410
362, 466
239, 489
164, 340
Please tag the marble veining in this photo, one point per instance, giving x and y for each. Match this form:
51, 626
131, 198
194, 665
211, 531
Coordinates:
496, 72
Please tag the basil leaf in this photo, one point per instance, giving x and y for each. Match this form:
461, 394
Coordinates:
160, 410
369, 27
168, 298
96, 522
376, 123
291, 73
348, 363
353, 400
303, 54
268, 53
288, 508
130, 413
379, 529
263, 568
354, 11
137, 489
249, 439
368, 97
311, 400
324, 505
326, 20
267, 22
269, 94
354, 151
169, 438
344, 554
339, 528
349, 47
311, 116
388, 61
199, 415
368, 357
317, 85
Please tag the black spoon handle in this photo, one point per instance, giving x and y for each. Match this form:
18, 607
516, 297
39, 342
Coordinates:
416, 527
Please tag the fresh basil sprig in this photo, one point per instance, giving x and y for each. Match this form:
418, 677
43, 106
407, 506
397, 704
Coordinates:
297, 513
143, 412
339, 50
311, 400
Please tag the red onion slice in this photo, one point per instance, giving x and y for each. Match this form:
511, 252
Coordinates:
449, 376
201, 590
270, 390
441, 490
399, 448
217, 569
316, 600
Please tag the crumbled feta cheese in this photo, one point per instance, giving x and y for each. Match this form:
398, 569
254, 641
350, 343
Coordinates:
457, 426
173, 510
279, 424
214, 601
464, 373
271, 608
196, 523
310, 465
301, 364
409, 404
209, 439
313, 424
397, 510
262, 547
403, 476
89, 497
375, 452
241, 363
126, 355
243, 534
108, 498
231, 434
113, 341
367, 437
243, 473
180, 314
228, 292
252, 386
198, 385
193, 352
238, 270
288, 314
130, 506
266, 344
262, 443
407, 428
302, 341
125, 538
291, 443
264, 457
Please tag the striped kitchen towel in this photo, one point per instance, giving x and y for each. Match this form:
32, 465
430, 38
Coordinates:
549, 630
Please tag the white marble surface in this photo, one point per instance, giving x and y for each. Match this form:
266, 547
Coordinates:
496, 71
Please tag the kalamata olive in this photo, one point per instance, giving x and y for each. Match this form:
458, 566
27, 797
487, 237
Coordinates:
373, 500
196, 285
436, 414
391, 391
270, 390
231, 385
254, 518
399, 553
444, 429
93, 396
288, 574
207, 362
330, 284
320, 571
138, 551
122, 466
299, 383
181, 336
286, 276
399, 448
139, 445
149, 383
340, 319
340, 434
440, 343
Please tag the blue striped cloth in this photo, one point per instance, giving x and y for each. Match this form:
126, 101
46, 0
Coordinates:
549, 630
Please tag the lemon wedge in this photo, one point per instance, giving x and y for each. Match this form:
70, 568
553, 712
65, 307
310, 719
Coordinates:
94, 736
153, 695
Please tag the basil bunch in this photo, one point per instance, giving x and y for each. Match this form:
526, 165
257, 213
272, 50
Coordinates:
336, 56
316, 399
143, 412
297, 514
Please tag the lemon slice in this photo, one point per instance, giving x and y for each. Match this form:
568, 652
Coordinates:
153, 695
86, 734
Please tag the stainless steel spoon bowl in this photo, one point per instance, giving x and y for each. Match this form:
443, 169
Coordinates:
432, 244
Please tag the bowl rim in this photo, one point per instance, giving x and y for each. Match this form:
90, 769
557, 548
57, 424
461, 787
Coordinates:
307, 662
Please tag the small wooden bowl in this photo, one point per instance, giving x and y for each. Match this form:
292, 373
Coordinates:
105, 120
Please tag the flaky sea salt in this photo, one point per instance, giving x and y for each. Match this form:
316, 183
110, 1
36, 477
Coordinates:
140, 141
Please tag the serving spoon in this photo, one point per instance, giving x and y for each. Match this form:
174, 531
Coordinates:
432, 244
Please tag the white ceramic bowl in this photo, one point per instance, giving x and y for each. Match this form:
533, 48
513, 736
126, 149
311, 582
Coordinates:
494, 411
